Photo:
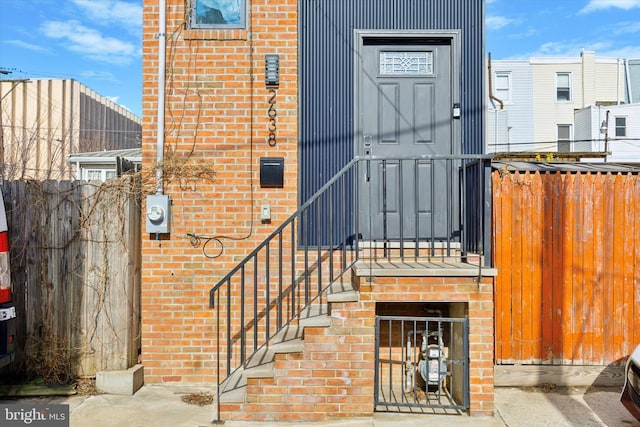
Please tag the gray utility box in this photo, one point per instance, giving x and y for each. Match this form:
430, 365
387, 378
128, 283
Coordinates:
158, 215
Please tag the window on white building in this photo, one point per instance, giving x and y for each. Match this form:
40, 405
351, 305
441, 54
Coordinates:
98, 174
564, 138
93, 175
563, 86
503, 87
621, 126
218, 13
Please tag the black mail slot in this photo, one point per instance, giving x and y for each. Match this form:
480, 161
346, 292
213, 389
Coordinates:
272, 171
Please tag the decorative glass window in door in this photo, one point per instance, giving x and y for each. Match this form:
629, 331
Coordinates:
218, 13
411, 63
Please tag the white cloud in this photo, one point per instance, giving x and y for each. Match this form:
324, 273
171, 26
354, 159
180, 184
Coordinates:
91, 43
594, 5
497, 22
627, 52
627, 28
572, 49
98, 75
107, 12
25, 45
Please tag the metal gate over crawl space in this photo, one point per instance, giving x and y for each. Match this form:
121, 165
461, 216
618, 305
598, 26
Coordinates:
421, 364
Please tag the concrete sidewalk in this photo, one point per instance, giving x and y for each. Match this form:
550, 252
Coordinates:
159, 406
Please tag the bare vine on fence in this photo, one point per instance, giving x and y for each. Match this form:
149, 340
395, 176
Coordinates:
76, 267
71, 242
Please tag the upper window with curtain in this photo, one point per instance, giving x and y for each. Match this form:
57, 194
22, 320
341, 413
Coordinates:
564, 138
207, 14
503, 87
563, 86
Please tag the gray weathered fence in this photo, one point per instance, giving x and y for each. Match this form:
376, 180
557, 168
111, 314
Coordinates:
75, 263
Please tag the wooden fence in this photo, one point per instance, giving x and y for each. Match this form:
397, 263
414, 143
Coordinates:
567, 249
75, 263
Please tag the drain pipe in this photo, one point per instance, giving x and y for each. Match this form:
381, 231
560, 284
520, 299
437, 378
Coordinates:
162, 42
627, 78
159, 205
491, 95
497, 112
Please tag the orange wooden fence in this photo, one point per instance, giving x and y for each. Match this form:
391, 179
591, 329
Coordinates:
567, 249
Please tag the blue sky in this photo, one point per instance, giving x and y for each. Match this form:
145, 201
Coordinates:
517, 29
98, 42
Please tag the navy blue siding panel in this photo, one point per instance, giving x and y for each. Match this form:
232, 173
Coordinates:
326, 72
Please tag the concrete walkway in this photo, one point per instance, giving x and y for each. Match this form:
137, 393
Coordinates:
159, 406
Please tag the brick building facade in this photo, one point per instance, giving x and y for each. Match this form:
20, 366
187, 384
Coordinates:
216, 123
217, 128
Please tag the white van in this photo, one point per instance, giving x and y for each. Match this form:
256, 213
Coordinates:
7, 309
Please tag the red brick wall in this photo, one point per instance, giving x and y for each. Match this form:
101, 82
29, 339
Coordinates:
216, 122
334, 376
478, 296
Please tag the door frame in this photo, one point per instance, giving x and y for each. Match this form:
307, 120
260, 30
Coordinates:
451, 37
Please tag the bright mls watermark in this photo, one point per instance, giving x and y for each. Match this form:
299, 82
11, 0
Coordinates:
52, 415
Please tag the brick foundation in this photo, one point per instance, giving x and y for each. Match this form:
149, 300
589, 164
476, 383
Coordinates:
216, 128
478, 296
334, 376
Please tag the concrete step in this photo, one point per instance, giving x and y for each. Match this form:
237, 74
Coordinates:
261, 363
236, 395
288, 340
233, 389
262, 371
315, 315
342, 292
288, 333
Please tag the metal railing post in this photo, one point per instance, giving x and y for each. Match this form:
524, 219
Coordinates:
461, 206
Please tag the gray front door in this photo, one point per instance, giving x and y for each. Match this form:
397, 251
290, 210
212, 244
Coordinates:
404, 109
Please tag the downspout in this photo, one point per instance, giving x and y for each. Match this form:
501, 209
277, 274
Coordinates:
606, 136
491, 95
627, 81
162, 42
496, 123
499, 101
618, 81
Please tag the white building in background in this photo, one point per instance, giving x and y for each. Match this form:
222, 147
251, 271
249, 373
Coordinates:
104, 165
510, 125
615, 129
43, 121
633, 71
532, 102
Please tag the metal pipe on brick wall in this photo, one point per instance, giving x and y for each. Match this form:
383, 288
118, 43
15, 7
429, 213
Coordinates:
162, 41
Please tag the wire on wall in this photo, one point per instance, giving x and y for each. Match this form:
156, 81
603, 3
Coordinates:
204, 241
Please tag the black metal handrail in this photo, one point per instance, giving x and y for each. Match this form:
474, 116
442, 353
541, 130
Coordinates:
314, 248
